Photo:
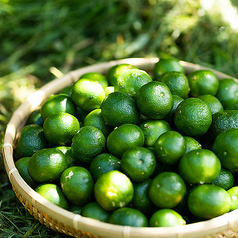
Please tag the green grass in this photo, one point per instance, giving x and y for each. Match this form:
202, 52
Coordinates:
37, 36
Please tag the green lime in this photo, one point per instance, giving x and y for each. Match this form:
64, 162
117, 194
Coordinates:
124, 137
95, 76
119, 108
60, 128
208, 201
225, 179
165, 65
170, 147
213, 103
138, 163
35, 118
154, 100
87, 143
225, 147
87, 94
199, 166
76, 209
233, 192
115, 71
203, 82
192, 117
127, 216
141, 200
152, 129
170, 116
57, 103
130, 81
177, 83
95, 118
66, 150
103, 163
167, 190
191, 144
108, 90
30, 139
77, 185
228, 92
113, 190
21, 166
53, 194
95, 211
166, 218
222, 121
46, 165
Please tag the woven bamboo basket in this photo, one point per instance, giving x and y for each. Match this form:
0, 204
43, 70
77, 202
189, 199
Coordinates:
75, 225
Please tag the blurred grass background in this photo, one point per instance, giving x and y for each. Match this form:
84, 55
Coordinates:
38, 36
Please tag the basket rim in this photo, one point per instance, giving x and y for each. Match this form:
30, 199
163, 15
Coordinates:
218, 224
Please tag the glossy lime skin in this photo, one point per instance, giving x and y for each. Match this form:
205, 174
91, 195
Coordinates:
167, 190
208, 201
166, 218
77, 184
199, 166
127, 216
113, 190
53, 194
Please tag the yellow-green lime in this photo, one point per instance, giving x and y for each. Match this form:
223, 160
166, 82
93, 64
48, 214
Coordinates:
166, 218
57, 103
53, 194
208, 201
191, 144
199, 166
87, 94
233, 192
95, 76
66, 150
115, 71
130, 81
167, 190
113, 190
